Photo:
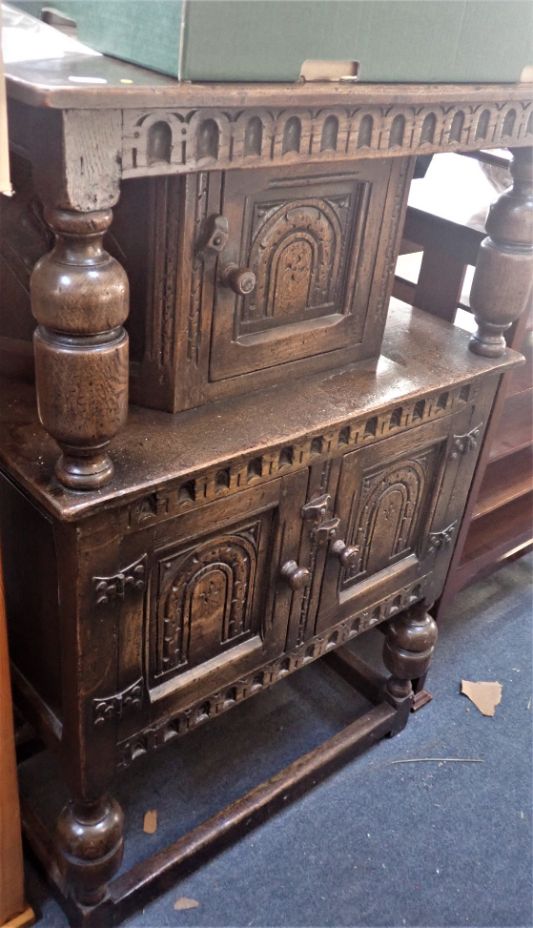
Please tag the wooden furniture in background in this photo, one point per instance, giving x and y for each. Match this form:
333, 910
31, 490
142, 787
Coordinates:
305, 467
14, 913
498, 519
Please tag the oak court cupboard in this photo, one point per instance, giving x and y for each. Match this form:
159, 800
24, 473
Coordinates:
295, 461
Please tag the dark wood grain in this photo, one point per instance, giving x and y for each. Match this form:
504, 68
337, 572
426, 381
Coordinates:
79, 297
177, 451
304, 474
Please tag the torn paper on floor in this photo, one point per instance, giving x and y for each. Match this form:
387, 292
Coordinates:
485, 695
150, 822
184, 903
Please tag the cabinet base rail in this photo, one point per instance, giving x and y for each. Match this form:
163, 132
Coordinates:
144, 880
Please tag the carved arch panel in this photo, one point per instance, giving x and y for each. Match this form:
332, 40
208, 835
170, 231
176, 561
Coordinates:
216, 593
310, 238
389, 498
204, 599
385, 515
297, 256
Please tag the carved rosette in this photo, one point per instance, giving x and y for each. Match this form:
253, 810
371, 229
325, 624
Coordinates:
79, 297
504, 272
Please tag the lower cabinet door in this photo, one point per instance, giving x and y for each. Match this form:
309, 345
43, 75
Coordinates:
219, 603
399, 502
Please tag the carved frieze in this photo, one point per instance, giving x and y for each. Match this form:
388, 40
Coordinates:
241, 689
352, 434
185, 140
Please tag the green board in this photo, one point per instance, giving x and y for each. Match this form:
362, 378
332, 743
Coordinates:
268, 40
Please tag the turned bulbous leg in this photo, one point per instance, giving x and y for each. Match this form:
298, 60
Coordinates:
504, 269
90, 843
409, 644
79, 297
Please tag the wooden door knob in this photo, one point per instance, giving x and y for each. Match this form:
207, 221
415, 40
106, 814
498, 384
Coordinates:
297, 577
347, 554
239, 279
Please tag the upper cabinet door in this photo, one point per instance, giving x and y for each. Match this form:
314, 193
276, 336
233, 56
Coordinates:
302, 248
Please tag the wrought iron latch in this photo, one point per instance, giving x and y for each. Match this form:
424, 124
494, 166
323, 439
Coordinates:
463, 444
443, 539
325, 525
132, 578
215, 237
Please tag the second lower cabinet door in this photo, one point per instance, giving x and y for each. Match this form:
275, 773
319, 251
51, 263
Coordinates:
396, 500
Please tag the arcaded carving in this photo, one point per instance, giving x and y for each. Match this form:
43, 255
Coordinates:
386, 513
356, 433
297, 253
190, 140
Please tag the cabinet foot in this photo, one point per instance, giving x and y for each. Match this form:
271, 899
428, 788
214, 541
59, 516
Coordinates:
410, 640
90, 843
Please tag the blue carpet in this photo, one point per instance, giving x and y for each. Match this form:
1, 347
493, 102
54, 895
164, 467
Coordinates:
379, 843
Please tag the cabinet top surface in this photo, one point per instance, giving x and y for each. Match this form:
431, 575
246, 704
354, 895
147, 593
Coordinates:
45, 68
421, 354
83, 82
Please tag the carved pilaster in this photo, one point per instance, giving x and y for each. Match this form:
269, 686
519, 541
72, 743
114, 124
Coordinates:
504, 271
79, 296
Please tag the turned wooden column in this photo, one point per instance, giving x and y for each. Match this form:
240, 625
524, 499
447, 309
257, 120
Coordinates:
79, 297
504, 271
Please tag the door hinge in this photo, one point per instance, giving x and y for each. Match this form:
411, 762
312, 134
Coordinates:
131, 578
438, 540
113, 707
462, 444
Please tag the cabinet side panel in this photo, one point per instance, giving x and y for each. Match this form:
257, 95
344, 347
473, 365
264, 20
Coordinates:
29, 558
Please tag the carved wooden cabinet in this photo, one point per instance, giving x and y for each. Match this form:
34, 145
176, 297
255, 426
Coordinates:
296, 463
260, 271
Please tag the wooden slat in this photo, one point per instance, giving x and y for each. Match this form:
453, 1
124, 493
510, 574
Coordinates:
505, 480
496, 536
253, 806
521, 379
516, 428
